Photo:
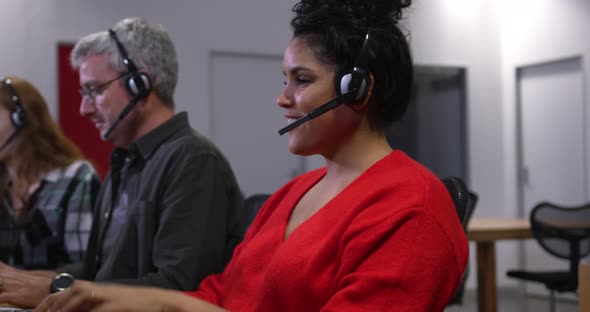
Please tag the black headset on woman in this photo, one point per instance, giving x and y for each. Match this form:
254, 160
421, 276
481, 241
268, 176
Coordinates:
18, 117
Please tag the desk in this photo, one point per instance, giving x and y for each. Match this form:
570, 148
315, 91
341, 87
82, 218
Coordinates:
485, 232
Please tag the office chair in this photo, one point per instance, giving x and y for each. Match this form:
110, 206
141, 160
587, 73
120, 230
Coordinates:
465, 202
459, 194
564, 232
252, 204
471, 202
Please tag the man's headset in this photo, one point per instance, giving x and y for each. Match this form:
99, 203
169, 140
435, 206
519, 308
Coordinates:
351, 87
18, 117
138, 84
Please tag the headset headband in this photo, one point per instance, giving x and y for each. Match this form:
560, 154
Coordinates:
13, 95
126, 60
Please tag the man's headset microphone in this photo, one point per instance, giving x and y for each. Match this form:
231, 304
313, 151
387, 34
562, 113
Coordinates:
137, 83
18, 117
351, 88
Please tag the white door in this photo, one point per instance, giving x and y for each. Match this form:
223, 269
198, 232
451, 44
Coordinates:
553, 160
245, 119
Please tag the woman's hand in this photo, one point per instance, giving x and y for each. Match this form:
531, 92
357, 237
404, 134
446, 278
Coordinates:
88, 296
22, 288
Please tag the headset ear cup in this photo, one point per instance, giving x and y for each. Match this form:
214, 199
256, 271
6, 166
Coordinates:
343, 84
138, 83
364, 95
354, 80
362, 87
15, 119
18, 118
132, 84
145, 78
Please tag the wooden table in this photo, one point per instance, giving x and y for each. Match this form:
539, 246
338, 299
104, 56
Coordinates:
485, 232
584, 286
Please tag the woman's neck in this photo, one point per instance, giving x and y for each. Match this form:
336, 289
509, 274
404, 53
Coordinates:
351, 160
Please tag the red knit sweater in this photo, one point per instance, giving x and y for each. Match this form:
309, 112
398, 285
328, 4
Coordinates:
391, 241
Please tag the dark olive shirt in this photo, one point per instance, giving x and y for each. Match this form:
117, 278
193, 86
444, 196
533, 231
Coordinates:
182, 214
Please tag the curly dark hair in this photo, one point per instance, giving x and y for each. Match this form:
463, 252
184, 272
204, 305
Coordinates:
336, 29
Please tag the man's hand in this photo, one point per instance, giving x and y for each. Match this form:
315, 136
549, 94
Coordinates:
23, 289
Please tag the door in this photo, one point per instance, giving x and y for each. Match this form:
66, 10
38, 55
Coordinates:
245, 120
552, 146
433, 129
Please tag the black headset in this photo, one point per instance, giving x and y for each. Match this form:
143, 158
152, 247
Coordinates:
359, 78
18, 117
137, 83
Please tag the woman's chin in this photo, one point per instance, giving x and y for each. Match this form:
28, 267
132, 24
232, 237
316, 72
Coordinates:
300, 150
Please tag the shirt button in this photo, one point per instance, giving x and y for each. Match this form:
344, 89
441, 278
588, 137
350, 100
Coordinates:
106, 215
97, 258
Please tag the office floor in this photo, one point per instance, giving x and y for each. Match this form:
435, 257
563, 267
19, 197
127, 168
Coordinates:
513, 300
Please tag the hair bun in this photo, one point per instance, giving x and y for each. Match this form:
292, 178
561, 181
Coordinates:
358, 9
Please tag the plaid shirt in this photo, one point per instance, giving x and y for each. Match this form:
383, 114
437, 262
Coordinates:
36, 242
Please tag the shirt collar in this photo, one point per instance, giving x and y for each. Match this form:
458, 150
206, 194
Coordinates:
147, 144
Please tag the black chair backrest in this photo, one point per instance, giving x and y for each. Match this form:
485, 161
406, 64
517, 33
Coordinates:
471, 203
252, 204
562, 231
459, 194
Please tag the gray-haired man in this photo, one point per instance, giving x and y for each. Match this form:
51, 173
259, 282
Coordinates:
168, 213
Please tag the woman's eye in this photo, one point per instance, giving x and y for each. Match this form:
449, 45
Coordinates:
303, 80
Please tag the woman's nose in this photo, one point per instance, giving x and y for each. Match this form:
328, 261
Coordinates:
284, 100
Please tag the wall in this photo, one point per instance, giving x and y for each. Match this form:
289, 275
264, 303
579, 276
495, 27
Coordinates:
533, 32
551, 31
487, 37
465, 34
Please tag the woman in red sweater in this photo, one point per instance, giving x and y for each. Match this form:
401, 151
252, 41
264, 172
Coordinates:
372, 230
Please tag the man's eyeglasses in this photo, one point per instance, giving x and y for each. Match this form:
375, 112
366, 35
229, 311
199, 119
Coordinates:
92, 92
